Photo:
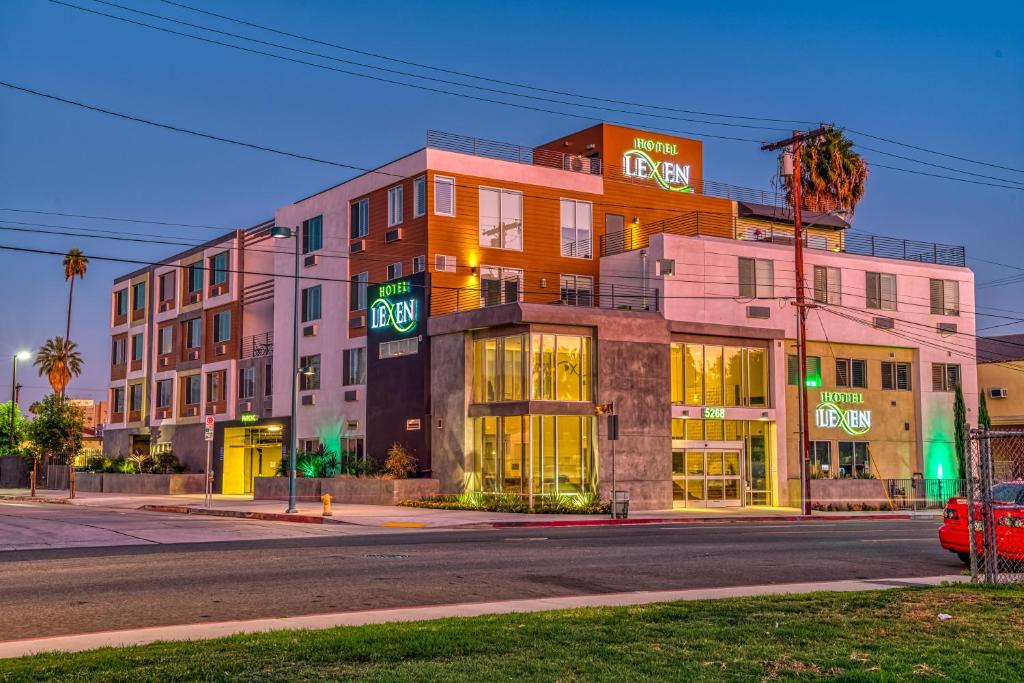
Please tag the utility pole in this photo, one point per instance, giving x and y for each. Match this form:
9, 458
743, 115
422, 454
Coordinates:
794, 144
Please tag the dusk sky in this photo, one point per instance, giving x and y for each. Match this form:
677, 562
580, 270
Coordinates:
939, 75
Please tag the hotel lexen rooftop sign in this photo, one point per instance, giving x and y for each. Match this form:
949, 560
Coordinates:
829, 414
669, 175
395, 307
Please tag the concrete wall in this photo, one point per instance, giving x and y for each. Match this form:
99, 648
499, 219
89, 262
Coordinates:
143, 484
347, 490
13, 472
869, 491
451, 387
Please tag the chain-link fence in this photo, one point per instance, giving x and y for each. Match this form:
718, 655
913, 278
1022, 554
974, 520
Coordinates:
990, 518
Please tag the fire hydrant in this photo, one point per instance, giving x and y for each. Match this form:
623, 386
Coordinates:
326, 500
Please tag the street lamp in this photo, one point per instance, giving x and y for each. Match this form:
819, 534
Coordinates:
20, 355
279, 232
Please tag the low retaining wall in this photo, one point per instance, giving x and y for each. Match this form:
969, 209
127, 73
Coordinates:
862, 491
142, 484
13, 472
351, 490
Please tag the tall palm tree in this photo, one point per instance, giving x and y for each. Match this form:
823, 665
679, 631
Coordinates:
833, 174
75, 265
59, 360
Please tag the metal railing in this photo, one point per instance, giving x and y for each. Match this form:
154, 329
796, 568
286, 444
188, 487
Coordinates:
508, 151
608, 295
257, 345
922, 494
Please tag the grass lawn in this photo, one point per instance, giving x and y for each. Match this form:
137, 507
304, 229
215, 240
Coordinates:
883, 635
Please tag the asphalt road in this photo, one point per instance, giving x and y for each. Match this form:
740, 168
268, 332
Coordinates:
74, 590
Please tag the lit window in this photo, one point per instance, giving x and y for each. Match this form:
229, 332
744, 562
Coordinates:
310, 381
853, 460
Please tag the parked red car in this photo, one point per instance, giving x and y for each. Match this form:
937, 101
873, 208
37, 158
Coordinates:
1008, 510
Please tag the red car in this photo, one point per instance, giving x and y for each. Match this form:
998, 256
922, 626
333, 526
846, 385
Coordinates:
1008, 510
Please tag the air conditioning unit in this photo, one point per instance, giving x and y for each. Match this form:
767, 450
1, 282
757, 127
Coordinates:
884, 323
946, 329
194, 297
761, 312
193, 411
164, 361
444, 264
665, 266
166, 306
311, 260
357, 246
356, 322
309, 331
393, 235
221, 349
245, 406
998, 393
309, 399
163, 413
350, 396
217, 290
193, 354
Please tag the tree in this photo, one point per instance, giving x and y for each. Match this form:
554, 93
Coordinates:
960, 430
20, 424
75, 265
983, 417
59, 360
833, 175
57, 428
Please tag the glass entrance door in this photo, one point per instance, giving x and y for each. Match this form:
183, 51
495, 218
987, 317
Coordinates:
708, 477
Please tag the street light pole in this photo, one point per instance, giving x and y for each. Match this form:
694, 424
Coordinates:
21, 355
284, 233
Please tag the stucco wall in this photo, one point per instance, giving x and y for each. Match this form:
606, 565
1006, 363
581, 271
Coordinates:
451, 449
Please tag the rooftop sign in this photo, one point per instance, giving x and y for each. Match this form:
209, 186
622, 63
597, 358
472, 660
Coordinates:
396, 308
645, 163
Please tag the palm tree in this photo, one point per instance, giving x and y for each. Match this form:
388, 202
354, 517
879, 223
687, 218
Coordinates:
75, 264
833, 174
59, 360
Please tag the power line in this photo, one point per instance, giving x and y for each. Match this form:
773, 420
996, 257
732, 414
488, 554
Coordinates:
932, 151
111, 218
875, 164
945, 168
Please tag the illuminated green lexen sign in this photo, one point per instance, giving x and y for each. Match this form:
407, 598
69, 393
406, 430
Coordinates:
637, 163
830, 415
394, 307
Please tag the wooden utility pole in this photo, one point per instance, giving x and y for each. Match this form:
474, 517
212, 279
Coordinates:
795, 143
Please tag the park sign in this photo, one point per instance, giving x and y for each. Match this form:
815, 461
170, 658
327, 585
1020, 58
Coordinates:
832, 412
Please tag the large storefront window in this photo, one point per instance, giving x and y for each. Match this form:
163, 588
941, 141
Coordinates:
711, 375
535, 454
560, 368
750, 439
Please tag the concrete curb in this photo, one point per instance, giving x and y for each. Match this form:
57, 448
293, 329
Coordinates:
38, 499
142, 636
241, 514
694, 520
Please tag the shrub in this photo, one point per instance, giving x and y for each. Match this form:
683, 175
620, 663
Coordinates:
399, 464
581, 504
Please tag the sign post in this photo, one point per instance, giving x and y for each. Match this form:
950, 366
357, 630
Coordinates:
208, 433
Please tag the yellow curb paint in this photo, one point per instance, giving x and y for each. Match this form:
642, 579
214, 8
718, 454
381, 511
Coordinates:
410, 525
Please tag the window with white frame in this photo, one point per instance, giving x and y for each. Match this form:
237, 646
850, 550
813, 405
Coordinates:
444, 263
419, 196
357, 291
880, 291
359, 219
163, 393
945, 297
500, 285
399, 347
757, 278
419, 264
896, 376
576, 290
945, 376
395, 198
852, 372
395, 270
827, 285
501, 219
166, 340
444, 195
576, 228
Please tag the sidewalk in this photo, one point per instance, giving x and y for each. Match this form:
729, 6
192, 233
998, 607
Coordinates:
141, 636
310, 512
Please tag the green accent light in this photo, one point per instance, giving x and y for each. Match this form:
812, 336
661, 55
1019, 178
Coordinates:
714, 413
248, 418
633, 166
399, 316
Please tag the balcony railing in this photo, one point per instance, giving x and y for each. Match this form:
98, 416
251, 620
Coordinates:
257, 345
922, 494
508, 151
607, 295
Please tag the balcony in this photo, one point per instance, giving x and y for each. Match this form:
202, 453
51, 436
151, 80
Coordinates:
257, 345
608, 295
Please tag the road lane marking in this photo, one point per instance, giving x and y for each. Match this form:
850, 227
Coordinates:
895, 540
405, 525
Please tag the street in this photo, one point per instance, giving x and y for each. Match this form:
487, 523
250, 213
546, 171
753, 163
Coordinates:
281, 570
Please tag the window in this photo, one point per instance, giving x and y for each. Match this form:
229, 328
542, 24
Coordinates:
192, 385
121, 302
880, 291
117, 400
395, 270
501, 219
945, 376
357, 291
757, 278
355, 366
166, 286
193, 333
812, 372
577, 228
395, 206
444, 263
853, 460
896, 376
419, 196
827, 285
268, 379
195, 277
139, 296
310, 445
117, 355
313, 234
221, 327
419, 264
359, 219
821, 459
499, 369
137, 347
444, 195
851, 373
499, 285
577, 290
718, 375
219, 268
311, 304
166, 340
246, 382
945, 297
311, 381
163, 393
560, 367
401, 347
135, 398
215, 389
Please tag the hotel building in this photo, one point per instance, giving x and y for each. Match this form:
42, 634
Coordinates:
482, 303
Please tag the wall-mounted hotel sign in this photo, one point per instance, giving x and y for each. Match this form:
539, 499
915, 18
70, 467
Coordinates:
831, 413
395, 307
645, 162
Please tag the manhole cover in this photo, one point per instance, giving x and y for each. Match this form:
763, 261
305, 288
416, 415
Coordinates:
386, 556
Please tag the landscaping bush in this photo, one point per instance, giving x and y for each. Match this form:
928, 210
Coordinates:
399, 464
163, 463
582, 504
324, 464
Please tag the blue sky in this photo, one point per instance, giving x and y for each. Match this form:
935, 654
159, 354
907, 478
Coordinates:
933, 74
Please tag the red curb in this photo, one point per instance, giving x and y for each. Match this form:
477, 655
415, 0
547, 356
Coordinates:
695, 520
236, 514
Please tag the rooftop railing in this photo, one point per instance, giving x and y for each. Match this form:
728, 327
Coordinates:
507, 151
257, 345
608, 295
